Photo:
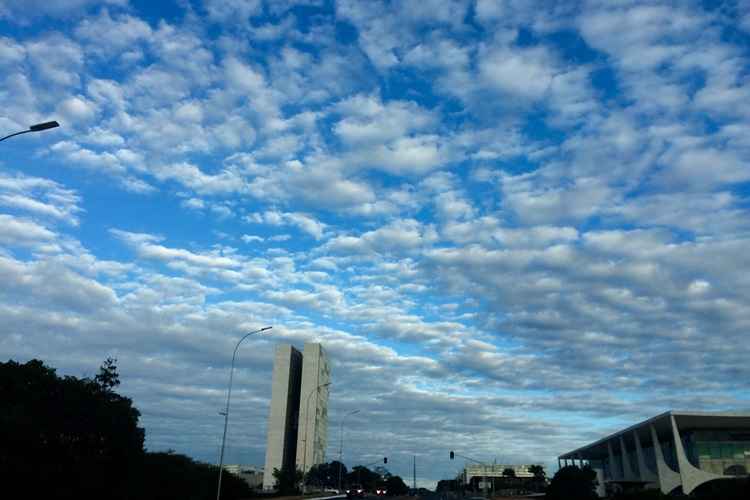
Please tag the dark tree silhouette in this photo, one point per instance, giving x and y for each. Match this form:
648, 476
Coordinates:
325, 475
364, 476
66, 437
287, 481
396, 486
573, 483
169, 476
538, 471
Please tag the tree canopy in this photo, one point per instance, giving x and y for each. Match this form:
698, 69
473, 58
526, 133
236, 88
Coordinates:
287, 481
538, 471
68, 437
326, 475
396, 486
572, 482
364, 476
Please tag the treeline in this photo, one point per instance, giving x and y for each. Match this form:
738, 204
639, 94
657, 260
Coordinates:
326, 477
69, 437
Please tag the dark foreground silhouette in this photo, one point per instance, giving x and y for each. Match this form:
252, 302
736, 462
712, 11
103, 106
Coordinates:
68, 437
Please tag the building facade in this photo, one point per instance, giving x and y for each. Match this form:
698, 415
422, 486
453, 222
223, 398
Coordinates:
312, 437
284, 414
252, 475
298, 418
496, 470
670, 451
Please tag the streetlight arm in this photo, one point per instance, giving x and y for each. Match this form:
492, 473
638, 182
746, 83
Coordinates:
17, 133
470, 459
34, 128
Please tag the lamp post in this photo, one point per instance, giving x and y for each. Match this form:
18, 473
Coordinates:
341, 445
307, 421
226, 411
34, 128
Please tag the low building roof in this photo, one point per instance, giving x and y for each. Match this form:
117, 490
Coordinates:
686, 420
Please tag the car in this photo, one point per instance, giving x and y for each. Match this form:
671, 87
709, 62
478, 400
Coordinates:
355, 491
381, 492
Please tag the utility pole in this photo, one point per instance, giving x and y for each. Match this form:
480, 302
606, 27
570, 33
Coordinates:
415, 473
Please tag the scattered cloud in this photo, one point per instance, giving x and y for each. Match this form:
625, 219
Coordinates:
489, 213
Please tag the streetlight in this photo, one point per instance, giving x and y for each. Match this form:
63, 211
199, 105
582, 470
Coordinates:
307, 421
226, 412
341, 444
34, 128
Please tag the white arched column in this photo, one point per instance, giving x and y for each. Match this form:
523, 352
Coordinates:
668, 478
692, 477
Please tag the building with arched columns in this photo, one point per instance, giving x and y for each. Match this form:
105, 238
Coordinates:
672, 450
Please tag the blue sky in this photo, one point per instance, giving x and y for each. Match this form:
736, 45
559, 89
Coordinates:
514, 227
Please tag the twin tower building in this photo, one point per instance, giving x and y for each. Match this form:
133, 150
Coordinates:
298, 421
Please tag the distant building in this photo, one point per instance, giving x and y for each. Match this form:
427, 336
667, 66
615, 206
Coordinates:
252, 475
282, 420
312, 437
296, 436
495, 470
497, 479
674, 450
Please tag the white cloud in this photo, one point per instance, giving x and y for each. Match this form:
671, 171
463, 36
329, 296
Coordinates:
24, 233
304, 222
108, 36
232, 11
251, 238
25, 10
398, 236
194, 204
146, 247
56, 60
11, 52
77, 110
525, 73
191, 176
42, 197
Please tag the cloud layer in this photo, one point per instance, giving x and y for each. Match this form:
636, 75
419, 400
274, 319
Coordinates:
514, 228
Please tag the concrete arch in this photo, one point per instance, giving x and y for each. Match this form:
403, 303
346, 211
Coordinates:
668, 478
691, 476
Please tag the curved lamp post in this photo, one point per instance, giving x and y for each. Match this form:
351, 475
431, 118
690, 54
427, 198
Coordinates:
307, 421
341, 445
34, 128
226, 412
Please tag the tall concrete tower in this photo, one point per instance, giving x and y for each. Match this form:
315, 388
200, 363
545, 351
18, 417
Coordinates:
284, 414
312, 436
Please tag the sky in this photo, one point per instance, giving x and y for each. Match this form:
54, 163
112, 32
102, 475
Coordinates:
514, 226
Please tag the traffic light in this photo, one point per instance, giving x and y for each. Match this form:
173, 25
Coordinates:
385, 460
452, 454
